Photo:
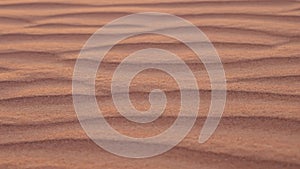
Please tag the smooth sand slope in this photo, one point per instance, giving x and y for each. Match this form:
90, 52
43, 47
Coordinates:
258, 43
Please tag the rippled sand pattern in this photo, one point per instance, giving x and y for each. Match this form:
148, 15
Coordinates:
258, 42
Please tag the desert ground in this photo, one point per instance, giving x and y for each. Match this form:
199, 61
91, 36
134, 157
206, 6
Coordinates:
258, 42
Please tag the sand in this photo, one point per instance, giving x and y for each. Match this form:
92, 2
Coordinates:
257, 41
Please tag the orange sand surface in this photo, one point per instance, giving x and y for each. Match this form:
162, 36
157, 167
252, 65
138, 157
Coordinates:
258, 42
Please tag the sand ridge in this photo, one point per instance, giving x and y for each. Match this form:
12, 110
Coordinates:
258, 43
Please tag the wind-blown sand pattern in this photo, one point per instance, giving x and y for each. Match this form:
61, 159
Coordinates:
257, 41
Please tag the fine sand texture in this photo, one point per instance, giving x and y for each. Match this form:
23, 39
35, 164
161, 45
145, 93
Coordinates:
258, 42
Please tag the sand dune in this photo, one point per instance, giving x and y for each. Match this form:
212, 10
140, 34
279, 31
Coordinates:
257, 41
